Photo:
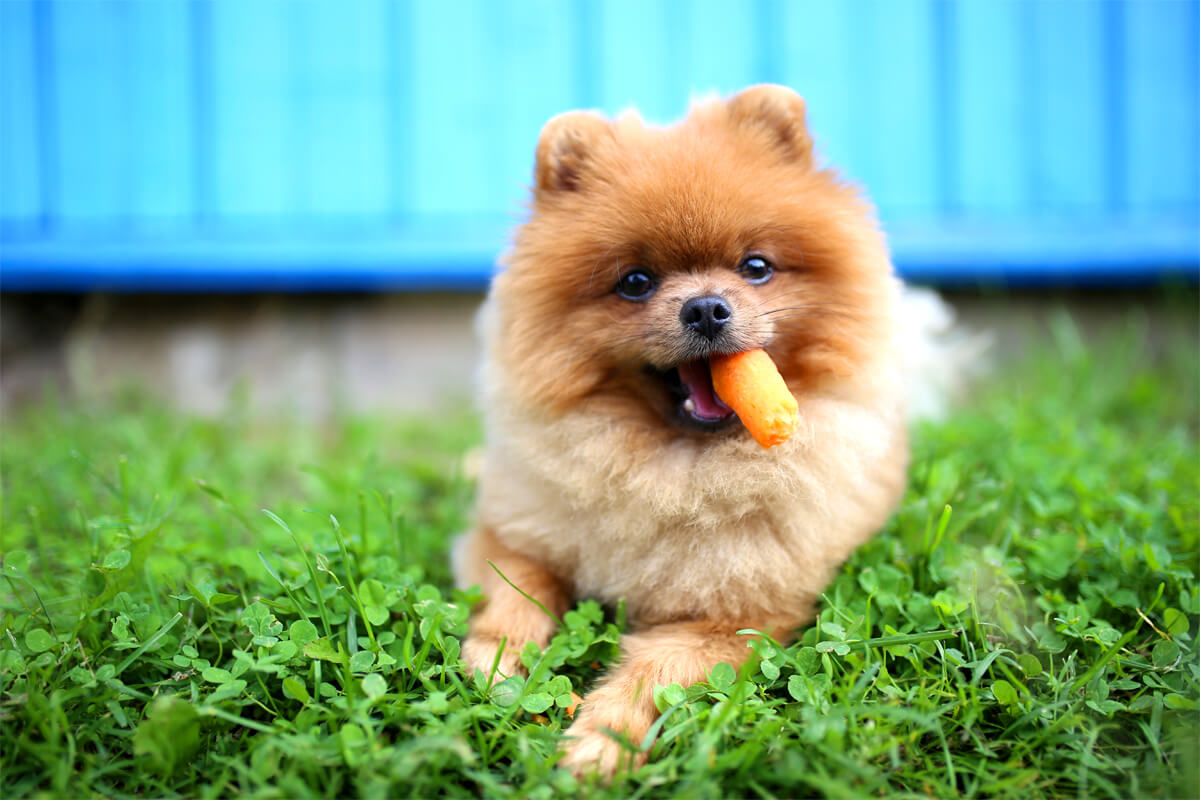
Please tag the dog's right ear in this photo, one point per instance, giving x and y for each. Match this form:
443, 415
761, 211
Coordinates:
568, 142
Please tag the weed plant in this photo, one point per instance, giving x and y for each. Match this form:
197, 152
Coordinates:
221, 608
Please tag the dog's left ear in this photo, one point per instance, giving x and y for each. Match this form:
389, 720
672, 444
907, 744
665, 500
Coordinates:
779, 111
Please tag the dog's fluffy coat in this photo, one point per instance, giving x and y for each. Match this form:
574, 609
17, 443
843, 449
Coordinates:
593, 485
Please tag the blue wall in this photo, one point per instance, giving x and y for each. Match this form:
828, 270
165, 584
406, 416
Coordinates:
292, 144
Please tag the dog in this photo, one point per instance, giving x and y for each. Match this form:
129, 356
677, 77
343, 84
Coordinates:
611, 468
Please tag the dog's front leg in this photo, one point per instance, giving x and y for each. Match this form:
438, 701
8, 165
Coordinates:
623, 702
507, 619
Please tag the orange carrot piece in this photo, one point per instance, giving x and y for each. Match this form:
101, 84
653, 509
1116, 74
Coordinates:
750, 384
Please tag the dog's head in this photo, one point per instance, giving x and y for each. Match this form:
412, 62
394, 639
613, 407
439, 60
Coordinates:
649, 249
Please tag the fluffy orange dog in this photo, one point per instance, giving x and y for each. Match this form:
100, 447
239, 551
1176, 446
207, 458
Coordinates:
612, 468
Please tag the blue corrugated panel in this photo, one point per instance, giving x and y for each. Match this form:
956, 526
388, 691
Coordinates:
898, 152
457, 107
723, 53
255, 151
21, 196
818, 60
639, 59
992, 117
318, 144
340, 94
1070, 126
1161, 98
531, 35
161, 124
87, 90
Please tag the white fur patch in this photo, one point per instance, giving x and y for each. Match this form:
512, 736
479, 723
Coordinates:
941, 355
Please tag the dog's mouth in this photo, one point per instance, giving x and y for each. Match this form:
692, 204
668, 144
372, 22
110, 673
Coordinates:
691, 390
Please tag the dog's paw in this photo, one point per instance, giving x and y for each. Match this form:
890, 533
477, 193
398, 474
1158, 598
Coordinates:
479, 653
588, 749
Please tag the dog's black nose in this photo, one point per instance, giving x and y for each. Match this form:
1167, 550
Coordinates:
706, 315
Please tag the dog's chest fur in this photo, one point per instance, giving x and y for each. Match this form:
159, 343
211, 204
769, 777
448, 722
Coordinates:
693, 529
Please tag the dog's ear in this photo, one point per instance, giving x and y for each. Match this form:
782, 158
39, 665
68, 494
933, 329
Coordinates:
568, 142
777, 110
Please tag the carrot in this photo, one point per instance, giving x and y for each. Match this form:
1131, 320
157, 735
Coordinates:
575, 701
750, 384
542, 719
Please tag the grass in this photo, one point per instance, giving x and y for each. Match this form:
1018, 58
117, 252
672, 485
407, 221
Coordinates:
217, 608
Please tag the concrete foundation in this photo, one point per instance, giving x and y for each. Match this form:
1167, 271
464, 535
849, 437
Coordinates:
304, 355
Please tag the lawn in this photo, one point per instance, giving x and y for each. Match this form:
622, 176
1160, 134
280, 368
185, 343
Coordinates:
231, 607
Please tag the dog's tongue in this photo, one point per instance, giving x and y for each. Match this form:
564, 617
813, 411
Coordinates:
705, 404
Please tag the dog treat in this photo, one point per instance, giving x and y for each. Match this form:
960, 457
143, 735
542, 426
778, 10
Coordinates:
751, 385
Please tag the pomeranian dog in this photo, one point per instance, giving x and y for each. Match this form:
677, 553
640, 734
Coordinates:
612, 469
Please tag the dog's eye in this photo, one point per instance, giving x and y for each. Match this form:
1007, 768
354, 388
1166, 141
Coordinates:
756, 269
636, 285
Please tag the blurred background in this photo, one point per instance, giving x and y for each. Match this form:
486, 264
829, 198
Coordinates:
299, 202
